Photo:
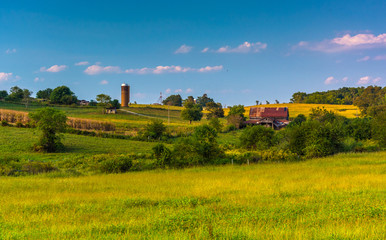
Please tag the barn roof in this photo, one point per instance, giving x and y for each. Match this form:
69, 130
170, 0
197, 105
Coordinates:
270, 112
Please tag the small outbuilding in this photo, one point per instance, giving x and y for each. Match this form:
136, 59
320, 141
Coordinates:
269, 116
111, 110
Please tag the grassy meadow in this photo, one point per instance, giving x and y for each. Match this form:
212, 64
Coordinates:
339, 197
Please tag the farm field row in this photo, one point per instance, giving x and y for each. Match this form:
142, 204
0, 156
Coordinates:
338, 197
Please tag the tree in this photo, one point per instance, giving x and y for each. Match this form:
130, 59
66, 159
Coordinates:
371, 96
155, 129
298, 97
44, 94
277, 101
191, 112
26, 97
3, 94
266, 102
202, 101
103, 99
173, 100
16, 94
236, 116
50, 121
216, 124
215, 110
257, 137
238, 110
189, 99
115, 103
257, 102
63, 95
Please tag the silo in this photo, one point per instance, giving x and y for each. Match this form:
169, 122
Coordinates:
125, 95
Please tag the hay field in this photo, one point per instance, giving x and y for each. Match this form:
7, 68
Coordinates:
349, 111
339, 197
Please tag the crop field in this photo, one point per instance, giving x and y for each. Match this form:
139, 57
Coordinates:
349, 111
339, 197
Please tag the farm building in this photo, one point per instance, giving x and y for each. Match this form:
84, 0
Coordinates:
269, 116
111, 110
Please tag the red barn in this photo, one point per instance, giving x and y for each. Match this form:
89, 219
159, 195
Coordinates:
269, 116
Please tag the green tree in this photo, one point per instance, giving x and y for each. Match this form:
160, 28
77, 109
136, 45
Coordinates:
155, 129
257, 137
26, 97
3, 94
215, 110
216, 124
298, 97
173, 100
191, 112
236, 116
63, 95
202, 101
16, 94
44, 94
50, 121
371, 96
115, 103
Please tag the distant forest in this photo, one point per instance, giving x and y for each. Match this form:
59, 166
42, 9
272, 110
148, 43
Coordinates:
344, 96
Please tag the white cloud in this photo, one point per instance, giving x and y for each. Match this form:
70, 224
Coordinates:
364, 80
364, 59
345, 79
82, 63
189, 90
37, 79
329, 80
205, 50
246, 47
178, 91
10, 51
97, 69
53, 69
183, 49
210, 69
345, 43
376, 80
167, 91
380, 57
104, 82
5, 76
172, 69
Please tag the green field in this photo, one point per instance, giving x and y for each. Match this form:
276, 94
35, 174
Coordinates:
339, 197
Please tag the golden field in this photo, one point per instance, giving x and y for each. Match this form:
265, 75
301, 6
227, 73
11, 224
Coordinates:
339, 197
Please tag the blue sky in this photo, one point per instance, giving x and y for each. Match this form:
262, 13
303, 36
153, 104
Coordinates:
236, 52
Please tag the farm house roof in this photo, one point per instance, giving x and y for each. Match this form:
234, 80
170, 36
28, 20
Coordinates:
268, 112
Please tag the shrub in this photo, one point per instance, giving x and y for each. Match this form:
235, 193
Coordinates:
4, 123
257, 137
19, 124
162, 154
115, 164
38, 167
216, 124
155, 129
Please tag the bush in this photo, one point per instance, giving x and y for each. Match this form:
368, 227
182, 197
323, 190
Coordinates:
257, 137
155, 129
162, 154
115, 164
4, 123
315, 139
38, 167
216, 124
19, 124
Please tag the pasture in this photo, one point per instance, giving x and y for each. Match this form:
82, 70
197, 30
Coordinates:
339, 197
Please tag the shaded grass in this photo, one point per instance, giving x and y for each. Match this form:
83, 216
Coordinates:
340, 197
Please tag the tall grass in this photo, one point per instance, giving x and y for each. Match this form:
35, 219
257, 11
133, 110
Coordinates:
340, 197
